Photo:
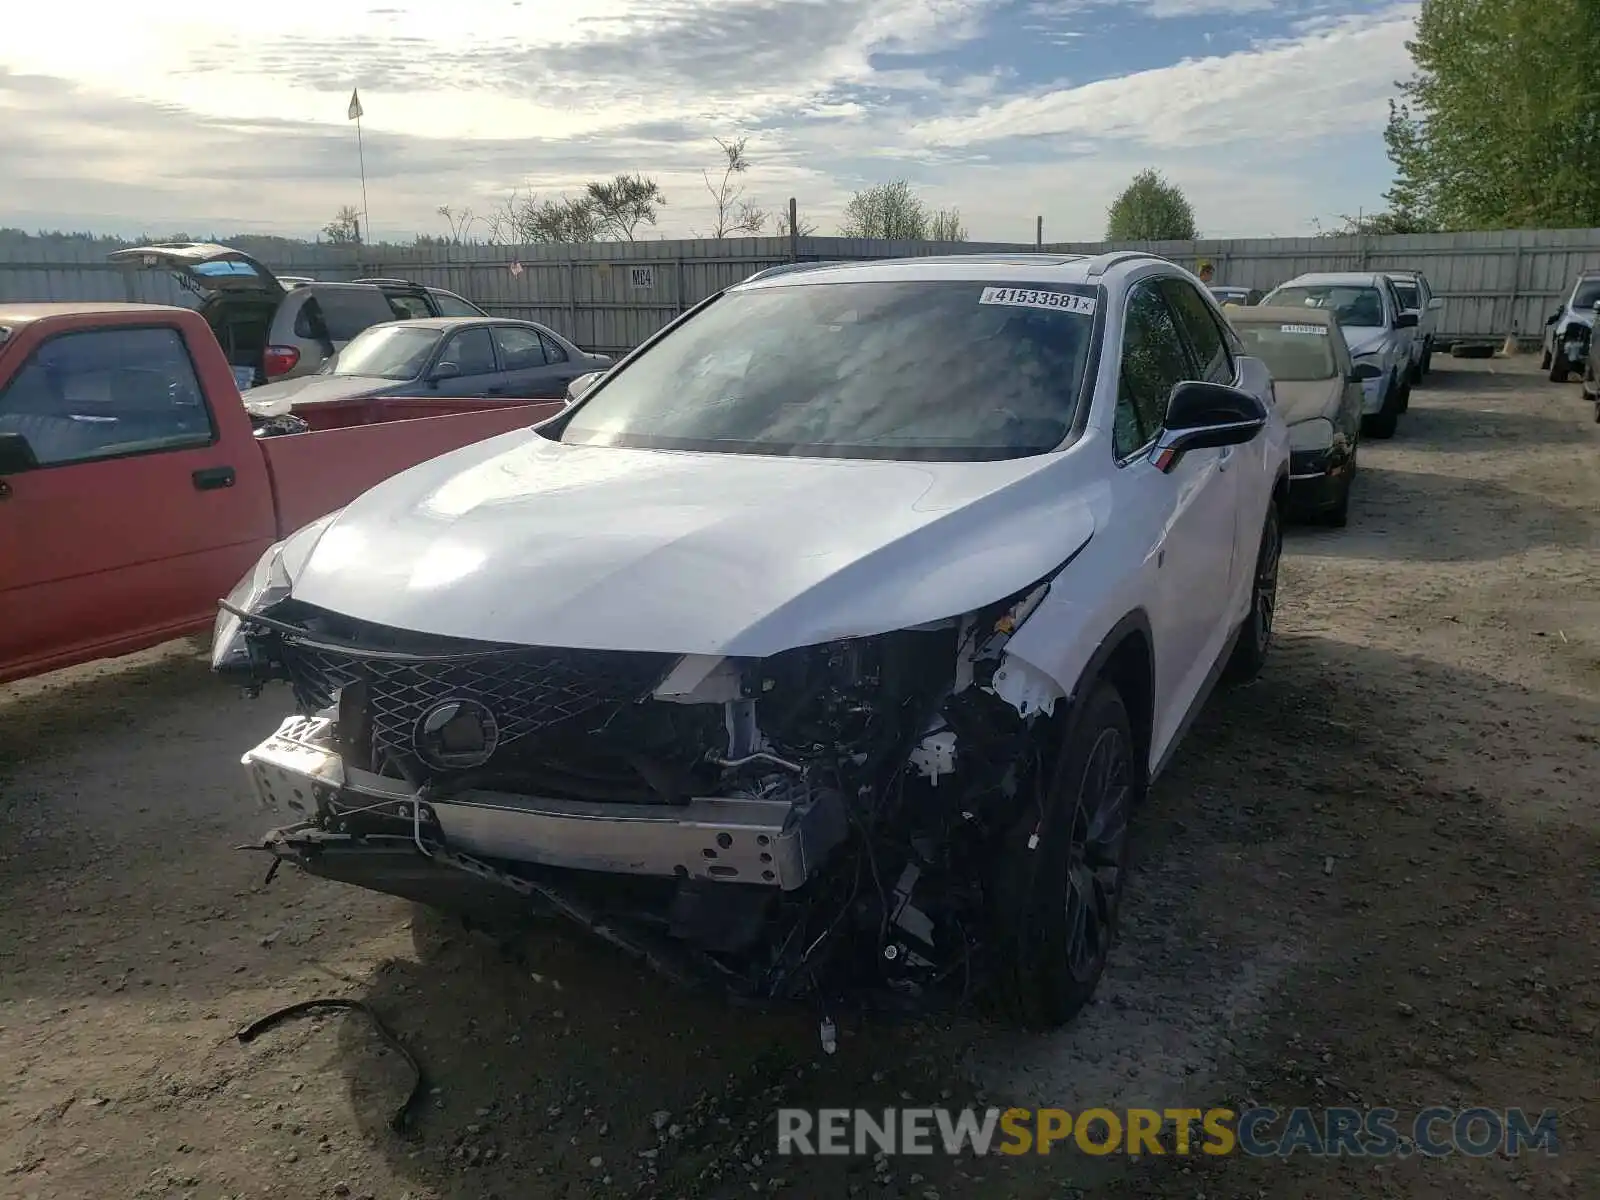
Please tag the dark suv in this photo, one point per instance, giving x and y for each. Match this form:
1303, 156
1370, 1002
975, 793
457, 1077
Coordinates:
277, 327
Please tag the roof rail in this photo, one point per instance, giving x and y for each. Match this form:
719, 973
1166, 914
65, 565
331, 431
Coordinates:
1102, 263
381, 279
789, 268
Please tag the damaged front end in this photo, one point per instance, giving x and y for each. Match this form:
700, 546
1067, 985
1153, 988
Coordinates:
821, 821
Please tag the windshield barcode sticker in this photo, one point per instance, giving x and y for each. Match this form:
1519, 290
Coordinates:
1029, 298
1314, 330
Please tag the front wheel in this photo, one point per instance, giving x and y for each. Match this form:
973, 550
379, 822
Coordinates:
1559, 367
1059, 876
1255, 635
1427, 357
1383, 423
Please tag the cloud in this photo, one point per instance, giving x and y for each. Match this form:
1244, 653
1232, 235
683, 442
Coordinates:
191, 115
1336, 79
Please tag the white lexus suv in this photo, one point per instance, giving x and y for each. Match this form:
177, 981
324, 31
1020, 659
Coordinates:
823, 646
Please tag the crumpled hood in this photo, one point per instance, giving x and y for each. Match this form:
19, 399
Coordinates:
1363, 339
276, 399
1301, 400
1576, 316
523, 540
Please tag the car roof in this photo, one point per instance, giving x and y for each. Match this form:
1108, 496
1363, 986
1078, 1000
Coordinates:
1261, 314
454, 322
1367, 278
998, 266
21, 314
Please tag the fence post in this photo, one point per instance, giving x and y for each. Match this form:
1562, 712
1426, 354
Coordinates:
572, 297
1516, 288
794, 230
1038, 232
677, 282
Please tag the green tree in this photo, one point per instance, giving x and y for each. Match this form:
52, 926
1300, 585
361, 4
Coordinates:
1500, 126
622, 204
888, 211
1150, 210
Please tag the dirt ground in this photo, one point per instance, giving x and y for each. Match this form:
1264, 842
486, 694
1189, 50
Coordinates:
1372, 878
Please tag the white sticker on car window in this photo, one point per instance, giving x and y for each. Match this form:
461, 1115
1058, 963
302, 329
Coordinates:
1314, 330
1033, 298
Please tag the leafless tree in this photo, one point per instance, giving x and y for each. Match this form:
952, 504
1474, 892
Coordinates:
459, 221
345, 228
735, 214
945, 226
806, 228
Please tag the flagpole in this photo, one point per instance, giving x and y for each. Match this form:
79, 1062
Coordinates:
361, 154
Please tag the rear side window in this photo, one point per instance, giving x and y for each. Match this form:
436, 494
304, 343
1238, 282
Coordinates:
520, 349
346, 311
451, 305
552, 349
1201, 329
308, 322
407, 307
107, 393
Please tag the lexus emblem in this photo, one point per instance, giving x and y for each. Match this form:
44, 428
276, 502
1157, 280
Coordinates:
456, 735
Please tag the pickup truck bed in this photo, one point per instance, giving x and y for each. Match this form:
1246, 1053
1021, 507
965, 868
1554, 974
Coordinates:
149, 494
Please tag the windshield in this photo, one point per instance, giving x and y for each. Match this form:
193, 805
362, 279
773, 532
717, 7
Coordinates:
946, 370
1409, 297
1293, 353
1585, 294
1352, 304
387, 352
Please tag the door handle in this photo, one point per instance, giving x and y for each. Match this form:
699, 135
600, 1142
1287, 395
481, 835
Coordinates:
209, 479
497, 390
1224, 458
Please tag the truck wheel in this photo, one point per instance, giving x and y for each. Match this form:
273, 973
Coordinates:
1059, 875
1427, 357
1559, 370
1544, 363
1255, 635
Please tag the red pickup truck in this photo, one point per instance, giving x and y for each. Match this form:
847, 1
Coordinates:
134, 489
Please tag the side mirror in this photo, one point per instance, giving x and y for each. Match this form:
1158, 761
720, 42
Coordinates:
1202, 416
16, 455
1363, 372
1435, 304
445, 370
1597, 306
1405, 320
1553, 317
582, 384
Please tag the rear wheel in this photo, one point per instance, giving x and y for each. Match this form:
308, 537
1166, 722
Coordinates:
1255, 635
1058, 878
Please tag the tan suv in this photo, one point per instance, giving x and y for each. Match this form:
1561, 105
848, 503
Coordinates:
278, 327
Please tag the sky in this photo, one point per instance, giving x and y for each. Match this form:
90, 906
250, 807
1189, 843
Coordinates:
188, 115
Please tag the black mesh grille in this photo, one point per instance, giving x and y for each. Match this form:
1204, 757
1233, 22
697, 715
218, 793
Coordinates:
528, 689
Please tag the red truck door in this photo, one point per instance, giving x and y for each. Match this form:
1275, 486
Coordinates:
144, 502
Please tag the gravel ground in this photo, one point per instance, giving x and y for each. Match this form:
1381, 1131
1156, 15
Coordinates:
1371, 879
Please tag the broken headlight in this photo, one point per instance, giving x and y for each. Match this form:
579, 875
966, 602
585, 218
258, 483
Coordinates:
264, 585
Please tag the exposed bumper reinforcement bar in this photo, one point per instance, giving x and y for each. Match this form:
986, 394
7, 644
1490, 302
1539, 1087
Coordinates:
777, 839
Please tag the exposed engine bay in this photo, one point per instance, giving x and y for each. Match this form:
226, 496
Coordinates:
821, 822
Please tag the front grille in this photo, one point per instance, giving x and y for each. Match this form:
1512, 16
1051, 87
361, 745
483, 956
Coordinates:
528, 689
